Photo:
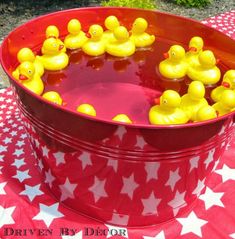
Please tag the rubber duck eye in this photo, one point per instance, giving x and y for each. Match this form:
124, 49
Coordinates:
29, 71
54, 45
164, 101
173, 53
94, 32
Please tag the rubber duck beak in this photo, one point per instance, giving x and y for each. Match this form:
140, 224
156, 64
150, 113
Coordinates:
88, 35
23, 77
157, 101
61, 47
166, 55
192, 49
225, 84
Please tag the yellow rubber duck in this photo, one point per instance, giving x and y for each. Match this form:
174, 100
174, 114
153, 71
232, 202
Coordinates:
76, 37
95, 46
111, 22
26, 54
29, 78
53, 32
195, 48
168, 112
86, 109
206, 112
122, 118
194, 99
174, 66
53, 97
228, 82
122, 46
138, 34
226, 104
207, 72
53, 59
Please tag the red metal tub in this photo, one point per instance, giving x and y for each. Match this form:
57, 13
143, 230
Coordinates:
122, 174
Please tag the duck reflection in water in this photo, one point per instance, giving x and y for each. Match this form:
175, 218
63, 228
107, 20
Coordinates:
95, 63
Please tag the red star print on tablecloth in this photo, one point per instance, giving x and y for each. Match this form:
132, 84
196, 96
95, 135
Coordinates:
21, 185
224, 22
